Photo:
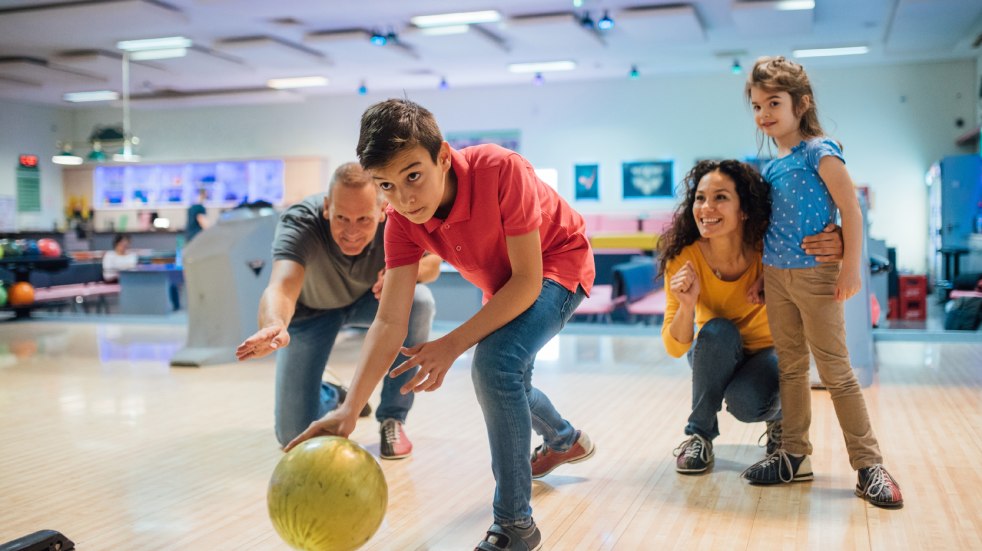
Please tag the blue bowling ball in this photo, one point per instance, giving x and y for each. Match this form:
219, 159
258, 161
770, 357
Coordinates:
31, 248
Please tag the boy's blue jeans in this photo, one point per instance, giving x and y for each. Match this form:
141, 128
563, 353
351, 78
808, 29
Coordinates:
301, 396
722, 370
502, 374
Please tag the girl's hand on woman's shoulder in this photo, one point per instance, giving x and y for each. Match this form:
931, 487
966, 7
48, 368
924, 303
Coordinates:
684, 284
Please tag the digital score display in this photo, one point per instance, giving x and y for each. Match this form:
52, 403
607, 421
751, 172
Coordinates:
29, 161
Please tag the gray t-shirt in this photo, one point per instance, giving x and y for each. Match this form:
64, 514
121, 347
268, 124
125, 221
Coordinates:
331, 279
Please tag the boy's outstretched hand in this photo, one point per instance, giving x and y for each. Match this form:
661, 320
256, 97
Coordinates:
263, 342
335, 423
434, 359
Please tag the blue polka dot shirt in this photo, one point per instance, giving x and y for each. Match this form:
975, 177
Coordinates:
802, 204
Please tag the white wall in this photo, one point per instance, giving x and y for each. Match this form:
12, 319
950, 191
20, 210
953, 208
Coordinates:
27, 129
894, 122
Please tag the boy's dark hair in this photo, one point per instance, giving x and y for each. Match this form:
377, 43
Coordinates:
393, 125
755, 202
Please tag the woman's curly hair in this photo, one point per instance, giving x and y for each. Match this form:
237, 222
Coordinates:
755, 202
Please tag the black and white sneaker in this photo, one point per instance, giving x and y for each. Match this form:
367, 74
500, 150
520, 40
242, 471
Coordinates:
879, 488
695, 455
779, 467
511, 538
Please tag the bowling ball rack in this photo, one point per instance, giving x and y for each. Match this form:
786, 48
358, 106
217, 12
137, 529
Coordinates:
22, 266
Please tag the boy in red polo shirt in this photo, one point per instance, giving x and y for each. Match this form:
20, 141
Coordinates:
485, 212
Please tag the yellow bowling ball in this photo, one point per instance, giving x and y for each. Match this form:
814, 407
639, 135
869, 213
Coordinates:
327, 494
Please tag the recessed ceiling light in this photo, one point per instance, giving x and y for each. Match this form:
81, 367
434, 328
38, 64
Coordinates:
542, 66
449, 29
95, 95
792, 5
167, 53
826, 52
66, 158
169, 42
461, 18
296, 82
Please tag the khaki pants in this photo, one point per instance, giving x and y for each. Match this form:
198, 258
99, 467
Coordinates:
803, 314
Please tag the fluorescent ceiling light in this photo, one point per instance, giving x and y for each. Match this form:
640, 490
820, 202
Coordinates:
96, 95
143, 55
296, 82
449, 29
542, 67
166, 43
66, 159
792, 5
462, 18
826, 52
126, 157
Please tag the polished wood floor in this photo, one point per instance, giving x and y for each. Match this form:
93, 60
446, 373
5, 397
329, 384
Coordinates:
103, 441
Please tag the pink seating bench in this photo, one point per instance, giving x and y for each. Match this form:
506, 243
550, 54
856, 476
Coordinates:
637, 283
651, 305
965, 294
77, 294
600, 304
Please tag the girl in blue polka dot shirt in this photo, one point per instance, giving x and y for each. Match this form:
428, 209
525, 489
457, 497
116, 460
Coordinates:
809, 183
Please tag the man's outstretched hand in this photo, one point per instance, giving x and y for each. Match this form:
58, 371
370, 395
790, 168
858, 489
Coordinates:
263, 342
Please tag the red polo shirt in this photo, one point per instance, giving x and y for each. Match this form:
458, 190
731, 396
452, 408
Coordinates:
498, 194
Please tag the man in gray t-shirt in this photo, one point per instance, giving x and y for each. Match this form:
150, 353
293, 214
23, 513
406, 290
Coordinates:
328, 271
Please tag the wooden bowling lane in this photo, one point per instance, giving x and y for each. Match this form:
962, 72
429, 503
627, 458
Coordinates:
103, 441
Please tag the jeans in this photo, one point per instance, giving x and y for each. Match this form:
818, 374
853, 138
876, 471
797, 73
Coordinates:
512, 407
721, 369
301, 396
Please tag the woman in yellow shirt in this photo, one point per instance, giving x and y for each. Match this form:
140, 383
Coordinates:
711, 259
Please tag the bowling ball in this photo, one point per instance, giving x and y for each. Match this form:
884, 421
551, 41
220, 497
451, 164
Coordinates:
327, 494
30, 248
3, 296
20, 293
49, 247
10, 248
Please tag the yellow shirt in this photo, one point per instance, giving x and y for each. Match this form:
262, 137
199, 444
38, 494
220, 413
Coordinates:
718, 299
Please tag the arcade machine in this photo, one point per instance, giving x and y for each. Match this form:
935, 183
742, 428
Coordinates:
226, 269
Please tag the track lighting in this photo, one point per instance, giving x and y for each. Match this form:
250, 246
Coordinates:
586, 21
378, 39
605, 23
634, 74
736, 68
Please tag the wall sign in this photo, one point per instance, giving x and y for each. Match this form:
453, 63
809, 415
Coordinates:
647, 179
28, 189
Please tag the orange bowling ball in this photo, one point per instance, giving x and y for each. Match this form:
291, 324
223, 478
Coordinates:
20, 294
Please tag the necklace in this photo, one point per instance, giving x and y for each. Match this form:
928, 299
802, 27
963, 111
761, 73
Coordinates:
714, 266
